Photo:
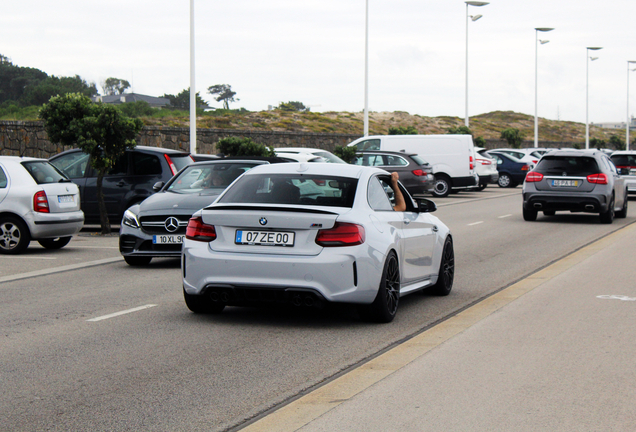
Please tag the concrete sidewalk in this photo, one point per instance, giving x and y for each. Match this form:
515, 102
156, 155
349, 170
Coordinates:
554, 352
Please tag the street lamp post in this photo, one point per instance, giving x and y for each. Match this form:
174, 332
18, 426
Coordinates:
536, 79
587, 99
366, 70
193, 92
470, 18
628, 119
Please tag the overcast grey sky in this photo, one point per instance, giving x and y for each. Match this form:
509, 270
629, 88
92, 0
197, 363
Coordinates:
313, 51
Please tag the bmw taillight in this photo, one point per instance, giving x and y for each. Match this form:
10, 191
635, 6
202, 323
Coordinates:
342, 234
41, 202
418, 172
171, 164
199, 231
599, 178
534, 177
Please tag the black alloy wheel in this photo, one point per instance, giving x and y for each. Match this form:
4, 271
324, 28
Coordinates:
385, 306
622, 213
607, 217
529, 215
446, 274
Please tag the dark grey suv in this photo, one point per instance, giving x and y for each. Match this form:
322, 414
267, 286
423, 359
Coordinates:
129, 182
575, 181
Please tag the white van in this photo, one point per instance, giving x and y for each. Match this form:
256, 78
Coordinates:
452, 157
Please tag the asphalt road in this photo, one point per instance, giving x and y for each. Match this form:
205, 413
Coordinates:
70, 361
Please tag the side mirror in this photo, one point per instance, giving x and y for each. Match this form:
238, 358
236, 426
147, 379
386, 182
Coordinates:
157, 186
426, 205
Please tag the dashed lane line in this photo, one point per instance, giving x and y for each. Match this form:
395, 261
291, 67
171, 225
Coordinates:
124, 312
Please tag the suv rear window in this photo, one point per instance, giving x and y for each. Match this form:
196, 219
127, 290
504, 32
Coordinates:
180, 161
418, 160
624, 160
567, 165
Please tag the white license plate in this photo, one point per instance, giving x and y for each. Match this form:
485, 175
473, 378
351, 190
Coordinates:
565, 183
65, 199
264, 238
168, 239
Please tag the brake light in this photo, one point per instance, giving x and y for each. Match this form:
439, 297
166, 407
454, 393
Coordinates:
470, 159
597, 178
534, 177
484, 161
199, 231
41, 202
525, 168
418, 172
534, 161
173, 168
342, 234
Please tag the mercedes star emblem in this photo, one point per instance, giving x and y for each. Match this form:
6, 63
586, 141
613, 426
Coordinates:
171, 224
262, 221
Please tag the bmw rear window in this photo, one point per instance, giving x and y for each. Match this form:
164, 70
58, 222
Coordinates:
298, 189
44, 173
418, 160
567, 165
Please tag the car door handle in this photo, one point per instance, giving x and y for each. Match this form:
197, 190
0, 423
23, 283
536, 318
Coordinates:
121, 183
406, 221
435, 229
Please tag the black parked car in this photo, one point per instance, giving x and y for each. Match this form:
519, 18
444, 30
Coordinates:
415, 173
129, 182
512, 172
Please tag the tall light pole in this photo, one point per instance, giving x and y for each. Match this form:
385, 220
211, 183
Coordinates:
587, 99
536, 79
470, 18
366, 70
628, 119
193, 91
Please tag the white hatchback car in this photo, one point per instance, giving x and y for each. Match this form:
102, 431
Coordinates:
528, 156
308, 233
37, 202
302, 154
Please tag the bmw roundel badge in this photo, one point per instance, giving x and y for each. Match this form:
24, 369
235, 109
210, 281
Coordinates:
262, 221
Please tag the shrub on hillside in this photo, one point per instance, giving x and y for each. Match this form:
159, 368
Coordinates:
240, 146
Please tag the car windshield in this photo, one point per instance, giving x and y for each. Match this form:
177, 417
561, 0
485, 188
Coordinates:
567, 165
329, 157
44, 173
210, 178
300, 189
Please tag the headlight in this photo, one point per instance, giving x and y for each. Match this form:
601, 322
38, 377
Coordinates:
130, 219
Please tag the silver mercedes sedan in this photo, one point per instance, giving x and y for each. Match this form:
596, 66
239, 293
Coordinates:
306, 234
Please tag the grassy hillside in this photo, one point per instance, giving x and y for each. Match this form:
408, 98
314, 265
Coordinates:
487, 125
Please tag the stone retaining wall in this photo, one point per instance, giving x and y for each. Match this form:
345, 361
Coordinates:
19, 138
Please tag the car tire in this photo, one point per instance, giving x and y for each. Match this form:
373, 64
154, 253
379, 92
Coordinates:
201, 304
446, 274
385, 306
529, 215
549, 212
55, 243
137, 260
441, 186
607, 217
622, 213
481, 187
14, 236
504, 180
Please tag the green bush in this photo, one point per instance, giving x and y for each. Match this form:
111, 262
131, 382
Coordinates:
459, 130
402, 130
240, 146
345, 153
513, 136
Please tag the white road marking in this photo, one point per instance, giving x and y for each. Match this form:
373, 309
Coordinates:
116, 314
96, 247
30, 257
475, 223
616, 297
58, 269
504, 216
